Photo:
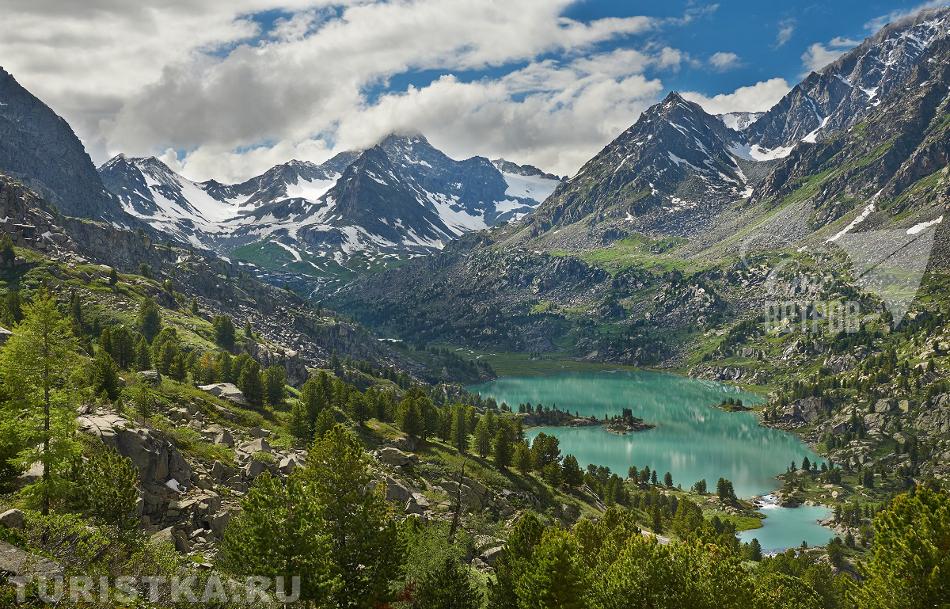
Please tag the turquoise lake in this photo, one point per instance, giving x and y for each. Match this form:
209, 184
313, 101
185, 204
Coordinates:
789, 527
693, 439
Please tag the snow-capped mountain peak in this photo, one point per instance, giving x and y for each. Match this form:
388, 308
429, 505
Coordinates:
400, 197
842, 93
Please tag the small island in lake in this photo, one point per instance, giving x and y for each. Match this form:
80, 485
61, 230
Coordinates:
627, 423
537, 416
733, 405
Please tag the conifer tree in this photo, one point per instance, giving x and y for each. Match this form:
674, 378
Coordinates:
357, 408
109, 489
274, 381
280, 532
143, 356
513, 560
104, 375
149, 319
502, 446
459, 429
450, 586
522, 457
7, 253
250, 383
223, 332
573, 476
36, 364
555, 576
11, 311
483, 437
366, 548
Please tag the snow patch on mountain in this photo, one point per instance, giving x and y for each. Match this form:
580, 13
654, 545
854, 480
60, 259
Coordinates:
536, 187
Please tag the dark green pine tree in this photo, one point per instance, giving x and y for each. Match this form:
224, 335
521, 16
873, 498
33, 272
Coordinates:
449, 586
250, 383
149, 319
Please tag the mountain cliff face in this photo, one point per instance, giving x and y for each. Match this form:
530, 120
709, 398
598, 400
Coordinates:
400, 198
843, 92
671, 172
38, 147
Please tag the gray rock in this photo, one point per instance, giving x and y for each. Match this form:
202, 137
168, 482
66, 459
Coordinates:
174, 537
288, 464
157, 459
152, 377
396, 491
224, 438
221, 472
490, 555
19, 562
13, 519
255, 446
31, 475
219, 522
226, 391
389, 455
254, 468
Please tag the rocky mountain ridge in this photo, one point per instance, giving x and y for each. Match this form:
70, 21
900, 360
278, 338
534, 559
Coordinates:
647, 243
38, 147
400, 198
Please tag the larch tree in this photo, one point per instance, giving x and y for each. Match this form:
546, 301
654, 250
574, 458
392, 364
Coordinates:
36, 365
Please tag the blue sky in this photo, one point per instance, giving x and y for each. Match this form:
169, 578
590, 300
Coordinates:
750, 29
228, 89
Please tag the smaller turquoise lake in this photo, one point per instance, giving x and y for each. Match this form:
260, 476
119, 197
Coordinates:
788, 527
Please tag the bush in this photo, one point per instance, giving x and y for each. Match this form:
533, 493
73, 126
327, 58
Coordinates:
109, 489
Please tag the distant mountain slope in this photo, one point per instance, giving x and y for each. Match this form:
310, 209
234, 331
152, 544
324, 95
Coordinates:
843, 92
400, 198
672, 172
38, 147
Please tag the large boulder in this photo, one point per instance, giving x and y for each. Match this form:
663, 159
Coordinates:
151, 377
173, 537
396, 491
163, 471
12, 519
18, 563
156, 457
255, 446
389, 455
226, 391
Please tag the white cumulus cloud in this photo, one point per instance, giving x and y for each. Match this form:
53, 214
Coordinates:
753, 98
724, 60
819, 55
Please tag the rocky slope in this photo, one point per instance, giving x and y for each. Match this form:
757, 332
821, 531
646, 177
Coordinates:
291, 329
38, 147
843, 92
671, 173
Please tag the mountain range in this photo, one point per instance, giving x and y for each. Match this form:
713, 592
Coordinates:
400, 198
643, 246
858, 142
